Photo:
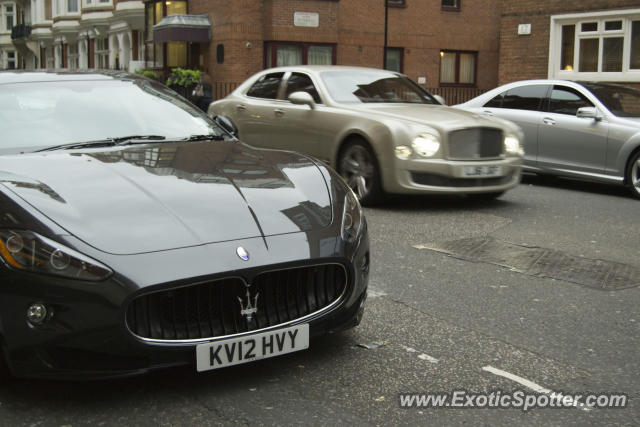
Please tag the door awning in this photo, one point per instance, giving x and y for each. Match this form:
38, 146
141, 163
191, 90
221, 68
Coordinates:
183, 28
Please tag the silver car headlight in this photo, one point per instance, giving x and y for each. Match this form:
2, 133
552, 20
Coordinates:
29, 251
512, 145
351, 217
426, 145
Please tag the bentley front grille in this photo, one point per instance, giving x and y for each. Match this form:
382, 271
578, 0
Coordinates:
227, 306
475, 144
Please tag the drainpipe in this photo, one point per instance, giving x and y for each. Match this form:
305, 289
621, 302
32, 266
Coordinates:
386, 30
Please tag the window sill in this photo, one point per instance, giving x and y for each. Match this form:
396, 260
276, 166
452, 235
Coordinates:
632, 76
99, 6
450, 9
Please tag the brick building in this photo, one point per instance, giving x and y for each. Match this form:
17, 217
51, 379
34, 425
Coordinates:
71, 34
442, 44
456, 48
450, 46
597, 40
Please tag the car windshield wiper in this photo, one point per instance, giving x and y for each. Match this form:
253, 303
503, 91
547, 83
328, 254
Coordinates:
121, 140
205, 137
124, 140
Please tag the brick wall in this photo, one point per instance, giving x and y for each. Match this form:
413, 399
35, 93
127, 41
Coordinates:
527, 57
357, 29
422, 28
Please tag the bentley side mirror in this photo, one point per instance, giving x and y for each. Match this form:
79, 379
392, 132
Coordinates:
302, 98
226, 124
440, 99
588, 113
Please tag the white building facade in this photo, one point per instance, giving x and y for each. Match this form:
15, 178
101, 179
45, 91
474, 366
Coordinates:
73, 34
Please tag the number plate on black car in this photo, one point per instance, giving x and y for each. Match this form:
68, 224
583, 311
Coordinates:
218, 354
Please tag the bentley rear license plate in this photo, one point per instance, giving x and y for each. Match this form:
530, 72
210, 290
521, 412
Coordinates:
481, 171
233, 351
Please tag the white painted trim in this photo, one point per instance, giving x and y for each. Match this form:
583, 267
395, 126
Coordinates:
130, 5
598, 15
555, 33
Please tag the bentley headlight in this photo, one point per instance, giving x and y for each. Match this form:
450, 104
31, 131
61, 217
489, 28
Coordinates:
351, 217
28, 251
512, 145
426, 145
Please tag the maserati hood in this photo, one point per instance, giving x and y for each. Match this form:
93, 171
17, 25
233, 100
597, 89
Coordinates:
157, 197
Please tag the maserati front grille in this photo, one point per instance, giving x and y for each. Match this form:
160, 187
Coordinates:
228, 306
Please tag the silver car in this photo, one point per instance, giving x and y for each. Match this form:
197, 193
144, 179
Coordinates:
379, 129
582, 130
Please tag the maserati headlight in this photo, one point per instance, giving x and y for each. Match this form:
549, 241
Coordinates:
351, 217
28, 251
512, 145
426, 145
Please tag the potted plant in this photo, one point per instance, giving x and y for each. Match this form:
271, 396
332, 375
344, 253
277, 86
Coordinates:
183, 80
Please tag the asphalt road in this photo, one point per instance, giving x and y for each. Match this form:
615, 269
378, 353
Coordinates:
435, 322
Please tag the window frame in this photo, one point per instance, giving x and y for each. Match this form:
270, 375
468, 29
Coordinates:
457, 82
395, 49
627, 74
4, 15
396, 3
101, 53
559, 87
96, 4
455, 8
160, 50
285, 87
61, 8
279, 89
274, 44
542, 103
5, 60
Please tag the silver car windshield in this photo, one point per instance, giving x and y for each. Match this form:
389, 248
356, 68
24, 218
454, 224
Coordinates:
621, 101
37, 115
374, 86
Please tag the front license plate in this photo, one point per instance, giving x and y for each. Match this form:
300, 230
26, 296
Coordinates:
481, 171
219, 354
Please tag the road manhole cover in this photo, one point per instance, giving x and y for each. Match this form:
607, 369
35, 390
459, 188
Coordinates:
535, 261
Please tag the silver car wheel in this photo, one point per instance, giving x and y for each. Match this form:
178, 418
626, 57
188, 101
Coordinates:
357, 168
635, 175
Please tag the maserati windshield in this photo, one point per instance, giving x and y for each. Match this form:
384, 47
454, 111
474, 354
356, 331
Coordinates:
34, 116
374, 86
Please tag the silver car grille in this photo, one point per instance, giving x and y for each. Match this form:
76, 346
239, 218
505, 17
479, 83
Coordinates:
475, 144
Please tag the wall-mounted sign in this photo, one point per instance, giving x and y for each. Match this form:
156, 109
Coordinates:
524, 29
306, 19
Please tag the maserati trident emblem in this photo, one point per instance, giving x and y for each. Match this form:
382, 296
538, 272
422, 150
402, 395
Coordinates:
242, 253
249, 310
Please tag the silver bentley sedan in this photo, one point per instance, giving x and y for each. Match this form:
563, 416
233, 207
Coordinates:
381, 131
582, 130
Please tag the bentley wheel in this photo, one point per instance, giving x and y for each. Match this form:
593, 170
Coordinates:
358, 166
633, 175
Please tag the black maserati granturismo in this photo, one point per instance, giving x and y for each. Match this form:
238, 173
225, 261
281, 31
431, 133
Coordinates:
136, 233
